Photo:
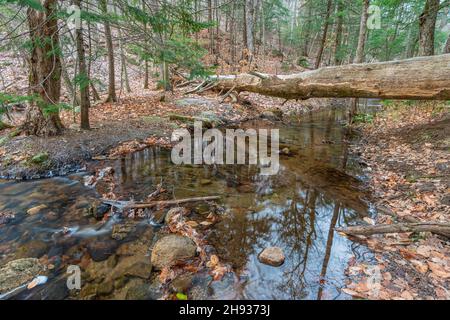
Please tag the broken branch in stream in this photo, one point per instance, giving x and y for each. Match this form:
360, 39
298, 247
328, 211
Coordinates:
124, 205
442, 229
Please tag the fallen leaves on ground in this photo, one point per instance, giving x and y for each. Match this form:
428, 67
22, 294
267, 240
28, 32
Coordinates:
409, 175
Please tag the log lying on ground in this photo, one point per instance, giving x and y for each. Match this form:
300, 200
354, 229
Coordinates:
423, 78
436, 228
124, 205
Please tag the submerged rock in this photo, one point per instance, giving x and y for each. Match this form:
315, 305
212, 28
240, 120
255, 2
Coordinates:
97, 210
272, 256
32, 249
121, 231
36, 209
205, 182
19, 272
6, 217
171, 248
182, 283
101, 250
134, 266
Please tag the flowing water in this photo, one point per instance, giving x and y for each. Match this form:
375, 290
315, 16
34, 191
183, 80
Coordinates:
317, 189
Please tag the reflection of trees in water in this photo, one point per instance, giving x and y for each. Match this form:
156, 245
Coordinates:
297, 230
236, 237
299, 233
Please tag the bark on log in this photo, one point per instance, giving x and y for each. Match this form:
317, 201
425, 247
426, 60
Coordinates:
423, 78
436, 228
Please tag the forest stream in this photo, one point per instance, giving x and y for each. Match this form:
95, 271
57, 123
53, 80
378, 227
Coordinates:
320, 186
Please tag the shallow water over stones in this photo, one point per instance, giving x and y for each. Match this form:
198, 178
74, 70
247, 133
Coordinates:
316, 189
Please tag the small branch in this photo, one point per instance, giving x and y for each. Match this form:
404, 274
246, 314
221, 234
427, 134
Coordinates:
227, 94
123, 205
197, 88
259, 75
208, 87
186, 83
436, 228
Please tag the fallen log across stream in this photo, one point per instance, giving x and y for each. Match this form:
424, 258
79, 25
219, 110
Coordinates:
422, 78
442, 229
124, 205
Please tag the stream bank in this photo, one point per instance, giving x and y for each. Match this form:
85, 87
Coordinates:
406, 153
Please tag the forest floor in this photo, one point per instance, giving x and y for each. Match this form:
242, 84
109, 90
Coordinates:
406, 149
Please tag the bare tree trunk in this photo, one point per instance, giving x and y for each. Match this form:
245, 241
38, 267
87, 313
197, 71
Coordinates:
94, 91
249, 10
123, 62
210, 30
306, 30
423, 78
146, 73
84, 83
111, 70
447, 45
339, 29
427, 25
324, 34
42, 117
359, 57
67, 81
263, 32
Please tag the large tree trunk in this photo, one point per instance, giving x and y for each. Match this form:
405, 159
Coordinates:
83, 74
423, 78
42, 117
109, 45
427, 25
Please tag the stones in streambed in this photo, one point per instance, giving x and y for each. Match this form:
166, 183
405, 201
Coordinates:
32, 249
205, 182
174, 211
97, 210
36, 209
101, 250
272, 115
170, 249
182, 283
19, 272
272, 256
285, 152
187, 102
6, 217
115, 274
121, 231
134, 266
